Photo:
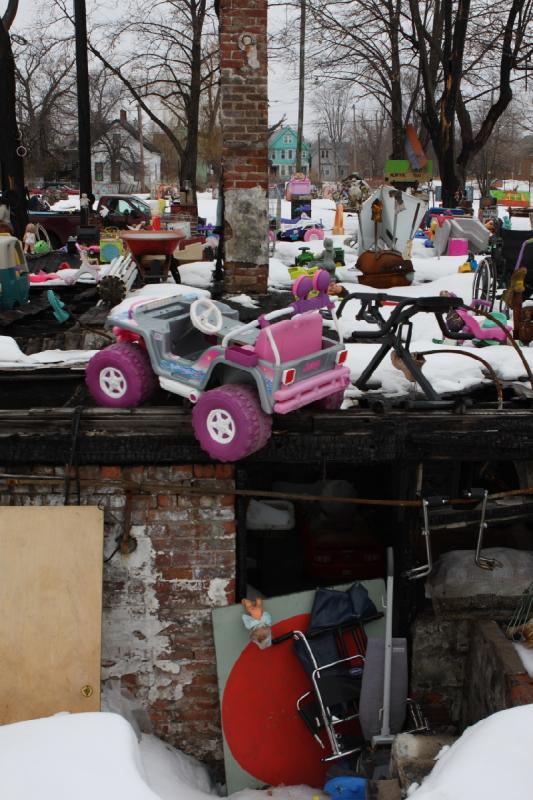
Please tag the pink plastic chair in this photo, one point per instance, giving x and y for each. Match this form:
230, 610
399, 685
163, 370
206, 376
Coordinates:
294, 338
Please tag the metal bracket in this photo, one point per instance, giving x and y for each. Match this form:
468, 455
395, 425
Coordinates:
482, 561
425, 569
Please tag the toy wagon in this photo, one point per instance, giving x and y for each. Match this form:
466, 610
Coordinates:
236, 375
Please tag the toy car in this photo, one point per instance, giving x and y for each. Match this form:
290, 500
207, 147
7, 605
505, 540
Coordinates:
304, 230
236, 375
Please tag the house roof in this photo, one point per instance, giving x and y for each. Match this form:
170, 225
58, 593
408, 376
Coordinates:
281, 132
122, 122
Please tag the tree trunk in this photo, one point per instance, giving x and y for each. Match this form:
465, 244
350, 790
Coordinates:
398, 133
12, 163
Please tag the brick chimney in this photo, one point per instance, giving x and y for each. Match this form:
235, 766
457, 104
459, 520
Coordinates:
123, 116
244, 114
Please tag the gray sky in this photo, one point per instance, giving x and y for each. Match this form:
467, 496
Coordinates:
282, 85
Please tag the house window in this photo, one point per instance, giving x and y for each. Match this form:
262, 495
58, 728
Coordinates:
287, 139
282, 155
272, 155
326, 171
115, 172
324, 154
99, 171
289, 154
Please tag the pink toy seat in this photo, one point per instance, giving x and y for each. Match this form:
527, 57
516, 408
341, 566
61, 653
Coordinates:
294, 338
472, 326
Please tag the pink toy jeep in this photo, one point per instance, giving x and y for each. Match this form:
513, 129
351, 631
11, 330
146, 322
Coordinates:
236, 375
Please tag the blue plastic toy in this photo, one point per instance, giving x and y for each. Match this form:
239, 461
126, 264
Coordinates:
58, 307
346, 787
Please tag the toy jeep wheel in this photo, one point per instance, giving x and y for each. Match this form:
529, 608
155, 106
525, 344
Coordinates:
120, 376
313, 234
229, 422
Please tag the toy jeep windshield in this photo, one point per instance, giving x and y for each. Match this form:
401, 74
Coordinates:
236, 375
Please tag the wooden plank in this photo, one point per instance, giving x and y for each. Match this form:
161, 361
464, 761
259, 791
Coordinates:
51, 599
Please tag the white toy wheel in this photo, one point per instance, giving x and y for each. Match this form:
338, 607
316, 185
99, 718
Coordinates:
206, 316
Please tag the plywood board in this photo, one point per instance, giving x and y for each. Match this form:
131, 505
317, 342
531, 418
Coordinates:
265, 742
51, 600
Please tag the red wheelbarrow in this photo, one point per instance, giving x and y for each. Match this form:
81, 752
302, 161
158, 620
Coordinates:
147, 247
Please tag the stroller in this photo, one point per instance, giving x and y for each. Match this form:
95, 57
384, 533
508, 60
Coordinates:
359, 684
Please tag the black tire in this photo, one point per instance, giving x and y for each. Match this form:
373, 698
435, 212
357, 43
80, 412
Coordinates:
485, 282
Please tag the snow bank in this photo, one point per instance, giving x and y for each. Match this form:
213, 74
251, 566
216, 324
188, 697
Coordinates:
491, 761
96, 756
82, 756
12, 357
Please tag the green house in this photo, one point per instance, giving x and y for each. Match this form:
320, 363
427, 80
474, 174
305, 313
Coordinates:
282, 152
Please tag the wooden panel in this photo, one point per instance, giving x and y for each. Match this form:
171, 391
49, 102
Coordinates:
51, 601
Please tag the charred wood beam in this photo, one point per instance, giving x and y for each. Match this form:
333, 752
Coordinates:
164, 435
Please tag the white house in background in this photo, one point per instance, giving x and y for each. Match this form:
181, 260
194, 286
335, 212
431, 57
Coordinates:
116, 158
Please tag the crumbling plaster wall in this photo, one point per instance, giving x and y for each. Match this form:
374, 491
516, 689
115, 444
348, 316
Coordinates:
157, 636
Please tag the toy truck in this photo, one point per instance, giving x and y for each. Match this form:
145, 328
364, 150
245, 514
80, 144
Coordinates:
236, 375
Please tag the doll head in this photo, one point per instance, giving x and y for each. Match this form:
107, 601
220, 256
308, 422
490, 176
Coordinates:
31, 228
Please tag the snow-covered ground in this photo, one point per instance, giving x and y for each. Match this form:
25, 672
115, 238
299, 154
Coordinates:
451, 372
99, 755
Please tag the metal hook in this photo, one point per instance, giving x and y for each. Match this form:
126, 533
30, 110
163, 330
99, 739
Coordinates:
482, 561
425, 569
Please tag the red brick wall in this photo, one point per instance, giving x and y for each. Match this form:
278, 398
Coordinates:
157, 635
244, 115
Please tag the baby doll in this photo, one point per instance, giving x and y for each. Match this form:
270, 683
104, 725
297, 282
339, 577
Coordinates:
30, 237
258, 622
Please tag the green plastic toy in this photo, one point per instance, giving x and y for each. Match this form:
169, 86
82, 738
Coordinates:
42, 248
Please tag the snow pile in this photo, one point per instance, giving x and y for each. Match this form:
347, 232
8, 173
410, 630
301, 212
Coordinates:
96, 756
156, 291
82, 756
243, 300
12, 357
526, 657
491, 761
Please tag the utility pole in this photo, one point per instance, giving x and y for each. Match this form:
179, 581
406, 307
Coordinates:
84, 108
12, 150
354, 140
141, 145
319, 159
301, 88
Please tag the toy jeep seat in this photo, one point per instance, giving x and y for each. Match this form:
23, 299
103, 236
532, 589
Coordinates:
293, 338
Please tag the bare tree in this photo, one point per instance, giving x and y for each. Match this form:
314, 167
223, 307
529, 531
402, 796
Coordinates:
362, 42
481, 50
332, 108
45, 90
373, 142
167, 69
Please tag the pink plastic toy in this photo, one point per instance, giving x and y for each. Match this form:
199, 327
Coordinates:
457, 247
236, 375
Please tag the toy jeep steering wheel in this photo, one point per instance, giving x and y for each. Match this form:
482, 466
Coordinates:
206, 316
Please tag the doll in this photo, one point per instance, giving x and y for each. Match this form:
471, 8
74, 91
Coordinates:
30, 237
258, 622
